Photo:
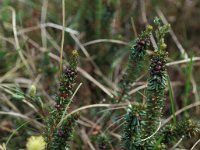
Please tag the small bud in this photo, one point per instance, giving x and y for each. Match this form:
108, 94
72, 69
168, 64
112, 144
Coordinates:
168, 26
32, 91
163, 46
149, 28
75, 53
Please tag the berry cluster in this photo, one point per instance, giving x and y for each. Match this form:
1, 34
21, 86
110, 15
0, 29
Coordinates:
142, 43
70, 73
140, 47
158, 72
66, 85
157, 65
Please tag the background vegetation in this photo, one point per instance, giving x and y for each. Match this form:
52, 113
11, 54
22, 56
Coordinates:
103, 32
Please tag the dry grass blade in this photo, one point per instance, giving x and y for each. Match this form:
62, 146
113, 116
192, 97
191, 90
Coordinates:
83, 108
180, 111
183, 61
98, 84
195, 144
138, 88
106, 41
179, 141
153, 133
38, 124
62, 39
17, 45
43, 18
86, 139
85, 52
45, 25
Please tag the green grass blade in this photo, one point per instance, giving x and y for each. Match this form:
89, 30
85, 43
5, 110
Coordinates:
9, 138
171, 100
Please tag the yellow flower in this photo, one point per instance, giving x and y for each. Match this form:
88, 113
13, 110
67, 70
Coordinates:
36, 143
